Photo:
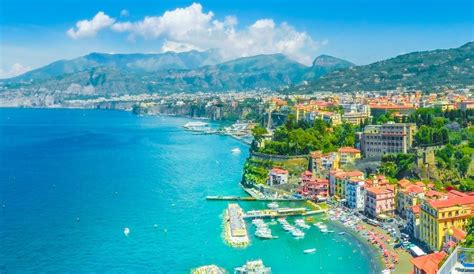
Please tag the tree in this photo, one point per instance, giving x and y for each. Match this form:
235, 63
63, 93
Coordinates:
258, 132
470, 234
464, 165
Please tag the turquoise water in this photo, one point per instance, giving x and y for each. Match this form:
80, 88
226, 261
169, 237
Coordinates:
114, 170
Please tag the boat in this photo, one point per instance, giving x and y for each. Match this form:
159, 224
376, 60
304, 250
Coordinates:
341, 233
301, 223
195, 124
236, 150
126, 231
309, 251
256, 266
273, 205
297, 233
264, 234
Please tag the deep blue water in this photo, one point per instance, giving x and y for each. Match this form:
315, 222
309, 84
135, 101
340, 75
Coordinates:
114, 170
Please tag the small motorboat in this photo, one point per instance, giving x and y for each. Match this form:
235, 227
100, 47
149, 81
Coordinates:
236, 150
126, 231
309, 251
341, 233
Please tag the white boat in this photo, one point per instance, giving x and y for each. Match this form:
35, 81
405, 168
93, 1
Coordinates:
310, 250
297, 233
236, 150
273, 205
195, 124
126, 231
341, 233
302, 223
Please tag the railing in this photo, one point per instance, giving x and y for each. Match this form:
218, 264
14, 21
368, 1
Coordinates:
460, 261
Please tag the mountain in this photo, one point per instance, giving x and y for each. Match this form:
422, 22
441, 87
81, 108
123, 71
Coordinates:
135, 63
324, 64
260, 71
168, 72
424, 70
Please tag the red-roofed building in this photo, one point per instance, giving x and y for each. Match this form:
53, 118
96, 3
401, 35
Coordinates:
428, 264
348, 155
379, 200
407, 197
314, 188
277, 176
338, 179
438, 217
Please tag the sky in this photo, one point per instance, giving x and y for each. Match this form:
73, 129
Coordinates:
34, 33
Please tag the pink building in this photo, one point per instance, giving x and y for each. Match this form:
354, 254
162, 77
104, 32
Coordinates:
315, 188
379, 201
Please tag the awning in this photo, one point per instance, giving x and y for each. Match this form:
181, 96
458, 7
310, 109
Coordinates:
417, 251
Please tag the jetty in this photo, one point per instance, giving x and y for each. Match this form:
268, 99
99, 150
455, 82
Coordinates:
238, 198
235, 230
281, 212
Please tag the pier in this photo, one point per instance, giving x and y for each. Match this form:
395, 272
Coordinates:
282, 212
234, 226
238, 198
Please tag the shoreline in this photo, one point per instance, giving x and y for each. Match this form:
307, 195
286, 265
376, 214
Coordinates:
374, 252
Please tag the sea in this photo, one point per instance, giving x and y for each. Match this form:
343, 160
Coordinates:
72, 180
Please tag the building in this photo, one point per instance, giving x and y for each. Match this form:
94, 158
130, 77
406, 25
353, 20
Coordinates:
332, 118
278, 176
355, 194
428, 264
413, 221
322, 162
348, 155
438, 217
356, 118
408, 197
379, 109
465, 105
460, 261
356, 114
338, 179
377, 140
315, 188
379, 201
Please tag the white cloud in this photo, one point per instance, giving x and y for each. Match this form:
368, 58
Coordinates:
90, 28
124, 13
189, 28
15, 70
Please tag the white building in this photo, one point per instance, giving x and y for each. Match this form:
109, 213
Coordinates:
355, 194
278, 176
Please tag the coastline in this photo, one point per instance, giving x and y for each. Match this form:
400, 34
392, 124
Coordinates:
373, 251
373, 270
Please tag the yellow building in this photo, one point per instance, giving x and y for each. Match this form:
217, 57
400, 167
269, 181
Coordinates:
438, 217
348, 155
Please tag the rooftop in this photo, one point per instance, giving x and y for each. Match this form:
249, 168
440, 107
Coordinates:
429, 263
466, 200
348, 150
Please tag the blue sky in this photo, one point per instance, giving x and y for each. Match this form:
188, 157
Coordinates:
35, 33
